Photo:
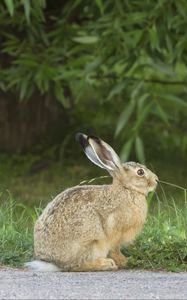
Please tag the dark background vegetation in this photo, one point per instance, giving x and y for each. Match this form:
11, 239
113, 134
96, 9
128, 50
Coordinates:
113, 68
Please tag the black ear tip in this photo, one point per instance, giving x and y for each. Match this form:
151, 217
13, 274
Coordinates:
78, 136
81, 139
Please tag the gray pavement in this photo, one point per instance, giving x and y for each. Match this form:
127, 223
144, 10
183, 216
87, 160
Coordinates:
17, 284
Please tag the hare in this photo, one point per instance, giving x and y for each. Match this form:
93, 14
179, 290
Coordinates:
83, 228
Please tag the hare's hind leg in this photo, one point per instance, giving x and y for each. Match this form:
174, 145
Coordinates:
118, 257
94, 258
100, 264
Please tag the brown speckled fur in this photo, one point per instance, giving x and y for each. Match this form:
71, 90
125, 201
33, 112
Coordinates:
83, 228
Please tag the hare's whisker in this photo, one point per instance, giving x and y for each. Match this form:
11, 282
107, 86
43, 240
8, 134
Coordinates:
172, 184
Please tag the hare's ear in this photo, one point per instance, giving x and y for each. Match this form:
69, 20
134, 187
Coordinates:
99, 152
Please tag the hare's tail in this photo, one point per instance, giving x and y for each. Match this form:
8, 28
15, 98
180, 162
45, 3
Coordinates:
42, 266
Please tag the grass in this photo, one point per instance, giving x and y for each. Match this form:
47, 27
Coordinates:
16, 234
162, 244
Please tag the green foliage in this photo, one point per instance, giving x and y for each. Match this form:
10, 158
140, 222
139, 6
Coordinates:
16, 238
132, 53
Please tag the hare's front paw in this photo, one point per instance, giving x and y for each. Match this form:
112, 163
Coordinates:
120, 260
107, 264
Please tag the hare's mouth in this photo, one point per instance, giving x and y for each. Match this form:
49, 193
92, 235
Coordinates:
152, 184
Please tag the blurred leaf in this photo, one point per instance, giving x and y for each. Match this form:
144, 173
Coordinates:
162, 114
181, 8
2, 86
23, 89
10, 6
164, 68
118, 88
125, 151
135, 17
100, 5
42, 81
142, 116
86, 39
93, 65
169, 43
139, 147
27, 8
175, 99
154, 37
141, 101
136, 89
132, 37
42, 3
59, 93
124, 117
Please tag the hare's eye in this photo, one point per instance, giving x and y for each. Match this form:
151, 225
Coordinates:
140, 172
